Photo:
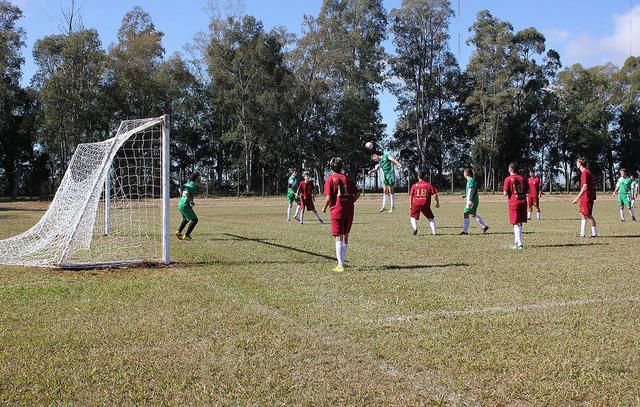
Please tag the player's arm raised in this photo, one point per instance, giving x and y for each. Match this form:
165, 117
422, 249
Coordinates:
396, 162
374, 169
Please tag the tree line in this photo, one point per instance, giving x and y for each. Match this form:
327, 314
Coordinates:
248, 103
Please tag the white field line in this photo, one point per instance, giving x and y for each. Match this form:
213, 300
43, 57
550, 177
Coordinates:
510, 309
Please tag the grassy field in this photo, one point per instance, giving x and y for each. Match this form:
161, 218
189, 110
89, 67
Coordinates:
251, 314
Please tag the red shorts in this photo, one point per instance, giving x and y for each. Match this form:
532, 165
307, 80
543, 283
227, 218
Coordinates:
534, 201
518, 213
307, 204
417, 210
341, 226
586, 208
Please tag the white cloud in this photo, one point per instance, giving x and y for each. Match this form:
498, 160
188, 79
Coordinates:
612, 47
556, 35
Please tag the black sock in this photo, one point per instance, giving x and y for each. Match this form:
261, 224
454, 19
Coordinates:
182, 225
191, 226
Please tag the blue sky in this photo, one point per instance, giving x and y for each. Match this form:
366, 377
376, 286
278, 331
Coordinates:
590, 32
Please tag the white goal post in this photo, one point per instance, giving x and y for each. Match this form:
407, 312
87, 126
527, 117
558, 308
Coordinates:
111, 208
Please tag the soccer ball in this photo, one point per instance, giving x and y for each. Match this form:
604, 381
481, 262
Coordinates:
368, 146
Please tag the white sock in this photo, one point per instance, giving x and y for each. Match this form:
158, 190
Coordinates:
414, 223
594, 231
631, 212
393, 200
318, 216
297, 211
384, 201
344, 251
517, 232
480, 221
465, 225
538, 215
302, 217
288, 213
583, 227
621, 214
339, 254
528, 215
432, 223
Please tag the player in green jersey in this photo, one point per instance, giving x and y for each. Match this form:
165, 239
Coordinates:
292, 196
634, 191
185, 206
472, 200
386, 162
623, 191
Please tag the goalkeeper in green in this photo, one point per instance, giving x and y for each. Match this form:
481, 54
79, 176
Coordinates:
292, 195
623, 191
185, 206
386, 162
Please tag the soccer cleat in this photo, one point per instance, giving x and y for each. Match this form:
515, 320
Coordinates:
187, 238
382, 210
338, 269
484, 229
633, 219
518, 246
321, 222
392, 210
463, 233
415, 232
579, 235
179, 235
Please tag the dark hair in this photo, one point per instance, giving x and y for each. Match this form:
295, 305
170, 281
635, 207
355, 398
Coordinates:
582, 161
194, 177
422, 174
294, 169
336, 164
513, 167
468, 171
306, 174
623, 169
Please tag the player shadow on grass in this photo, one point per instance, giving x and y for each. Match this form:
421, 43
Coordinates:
567, 245
246, 262
623, 237
420, 266
281, 246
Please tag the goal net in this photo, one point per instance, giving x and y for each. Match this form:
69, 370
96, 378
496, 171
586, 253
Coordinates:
111, 207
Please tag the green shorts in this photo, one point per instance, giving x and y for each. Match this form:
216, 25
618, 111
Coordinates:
472, 210
389, 179
291, 198
187, 212
623, 200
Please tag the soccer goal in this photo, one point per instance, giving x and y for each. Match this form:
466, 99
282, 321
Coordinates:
111, 208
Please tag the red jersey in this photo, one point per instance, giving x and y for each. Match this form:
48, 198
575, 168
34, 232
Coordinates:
341, 191
306, 190
421, 193
535, 185
589, 179
516, 188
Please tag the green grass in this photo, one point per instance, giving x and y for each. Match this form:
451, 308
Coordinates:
265, 321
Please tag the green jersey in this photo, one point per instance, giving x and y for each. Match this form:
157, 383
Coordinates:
472, 191
188, 188
385, 164
292, 184
624, 186
634, 187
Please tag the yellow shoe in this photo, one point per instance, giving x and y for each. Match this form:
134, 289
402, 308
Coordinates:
187, 238
338, 269
179, 235
392, 210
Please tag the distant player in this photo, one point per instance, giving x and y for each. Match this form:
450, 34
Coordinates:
586, 198
634, 191
471, 203
515, 189
420, 202
185, 206
623, 191
292, 197
386, 162
535, 192
307, 195
341, 193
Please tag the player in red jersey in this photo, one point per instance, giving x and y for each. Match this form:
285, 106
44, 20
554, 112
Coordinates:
515, 189
586, 197
341, 193
307, 194
420, 202
535, 192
